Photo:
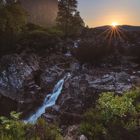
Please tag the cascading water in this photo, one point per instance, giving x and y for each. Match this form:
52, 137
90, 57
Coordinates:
76, 43
49, 101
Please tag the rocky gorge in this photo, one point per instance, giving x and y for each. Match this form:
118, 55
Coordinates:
27, 78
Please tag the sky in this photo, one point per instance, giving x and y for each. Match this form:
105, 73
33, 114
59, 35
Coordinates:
105, 12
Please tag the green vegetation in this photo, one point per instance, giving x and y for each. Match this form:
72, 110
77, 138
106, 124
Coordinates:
13, 129
13, 18
114, 118
17, 34
40, 40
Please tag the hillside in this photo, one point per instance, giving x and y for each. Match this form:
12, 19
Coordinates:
124, 27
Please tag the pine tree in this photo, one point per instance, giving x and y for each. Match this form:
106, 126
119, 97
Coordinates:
67, 16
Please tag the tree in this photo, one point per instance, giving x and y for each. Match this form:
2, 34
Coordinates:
12, 20
68, 19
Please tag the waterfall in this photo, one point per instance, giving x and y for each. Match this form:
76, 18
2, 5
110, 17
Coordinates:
49, 101
76, 43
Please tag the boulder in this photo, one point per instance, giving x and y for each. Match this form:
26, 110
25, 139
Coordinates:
17, 77
71, 133
83, 137
113, 82
49, 77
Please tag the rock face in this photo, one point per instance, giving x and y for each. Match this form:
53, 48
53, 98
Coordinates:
113, 82
17, 77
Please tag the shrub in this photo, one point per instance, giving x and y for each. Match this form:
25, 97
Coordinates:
115, 117
90, 51
112, 106
14, 129
43, 131
39, 40
54, 31
11, 129
134, 51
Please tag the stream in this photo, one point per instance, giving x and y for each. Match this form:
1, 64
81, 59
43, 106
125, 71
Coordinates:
49, 101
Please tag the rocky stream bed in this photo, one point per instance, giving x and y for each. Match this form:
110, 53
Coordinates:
27, 79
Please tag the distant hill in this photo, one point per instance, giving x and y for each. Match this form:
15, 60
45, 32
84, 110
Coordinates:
130, 28
125, 27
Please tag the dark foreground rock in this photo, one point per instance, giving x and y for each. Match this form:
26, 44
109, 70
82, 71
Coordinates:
16, 73
26, 78
17, 79
113, 82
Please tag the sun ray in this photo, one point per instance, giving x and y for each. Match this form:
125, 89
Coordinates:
104, 32
118, 33
112, 33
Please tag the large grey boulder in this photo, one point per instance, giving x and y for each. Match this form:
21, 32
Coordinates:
17, 76
113, 82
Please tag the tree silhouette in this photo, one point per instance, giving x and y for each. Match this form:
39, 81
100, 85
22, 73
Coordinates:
68, 16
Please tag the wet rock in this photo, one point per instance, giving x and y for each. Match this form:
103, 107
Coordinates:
50, 118
53, 110
50, 76
52, 114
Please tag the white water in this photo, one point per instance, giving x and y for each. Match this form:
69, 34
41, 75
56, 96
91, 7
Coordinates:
76, 43
49, 101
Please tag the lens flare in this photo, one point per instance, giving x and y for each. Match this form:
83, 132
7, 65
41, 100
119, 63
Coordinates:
114, 24
113, 32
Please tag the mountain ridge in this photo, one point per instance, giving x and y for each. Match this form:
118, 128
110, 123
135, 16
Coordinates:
123, 27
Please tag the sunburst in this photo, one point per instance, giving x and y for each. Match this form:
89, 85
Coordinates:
114, 24
113, 32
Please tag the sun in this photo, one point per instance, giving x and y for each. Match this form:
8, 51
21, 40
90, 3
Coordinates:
114, 24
